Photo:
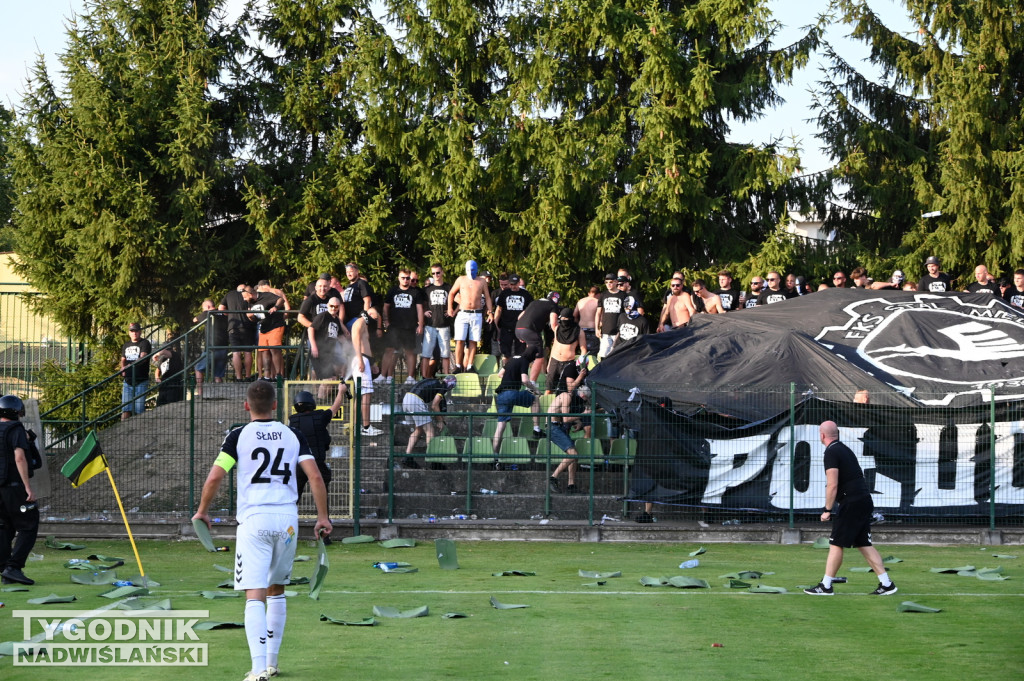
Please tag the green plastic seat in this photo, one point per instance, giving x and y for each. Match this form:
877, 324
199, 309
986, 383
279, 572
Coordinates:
622, 451
478, 450
442, 449
485, 365
515, 450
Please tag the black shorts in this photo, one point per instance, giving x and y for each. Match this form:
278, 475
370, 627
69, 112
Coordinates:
510, 345
555, 367
851, 523
530, 338
401, 339
240, 336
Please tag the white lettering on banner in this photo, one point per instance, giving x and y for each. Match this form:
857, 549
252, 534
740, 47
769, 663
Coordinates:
1008, 433
926, 479
723, 473
814, 496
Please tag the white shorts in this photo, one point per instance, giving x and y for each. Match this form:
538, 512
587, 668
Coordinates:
265, 550
364, 373
469, 325
607, 343
413, 403
436, 336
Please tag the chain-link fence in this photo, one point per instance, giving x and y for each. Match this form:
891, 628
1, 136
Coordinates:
648, 458
634, 454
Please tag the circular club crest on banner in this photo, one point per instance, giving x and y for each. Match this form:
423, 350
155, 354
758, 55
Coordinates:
935, 348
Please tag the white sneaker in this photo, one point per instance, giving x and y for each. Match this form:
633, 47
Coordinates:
370, 431
272, 671
262, 676
410, 381
380, 380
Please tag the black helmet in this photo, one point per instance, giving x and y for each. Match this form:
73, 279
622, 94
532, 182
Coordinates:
11, 407
304, 401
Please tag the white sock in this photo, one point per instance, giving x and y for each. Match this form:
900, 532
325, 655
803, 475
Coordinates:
256, 634
826, 582
884, 579
277, 613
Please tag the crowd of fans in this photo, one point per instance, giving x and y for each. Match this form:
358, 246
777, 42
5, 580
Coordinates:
352, 329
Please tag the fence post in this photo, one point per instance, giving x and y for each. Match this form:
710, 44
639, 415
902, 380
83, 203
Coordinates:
593, 432
192, 446
992, 460
357, 472
792, 452
389, 460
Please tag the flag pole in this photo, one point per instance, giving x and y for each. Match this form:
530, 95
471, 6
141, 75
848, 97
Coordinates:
142, 573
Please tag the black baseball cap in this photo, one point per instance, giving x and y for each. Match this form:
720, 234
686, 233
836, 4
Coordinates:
625, 279
513, 279
609, 277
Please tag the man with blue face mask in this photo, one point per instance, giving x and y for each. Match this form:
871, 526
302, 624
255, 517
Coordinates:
632, 324
471, 293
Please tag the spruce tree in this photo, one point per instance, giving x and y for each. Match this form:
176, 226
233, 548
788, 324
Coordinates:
306, 183
563, 139
939, 132
123, 202
6, 181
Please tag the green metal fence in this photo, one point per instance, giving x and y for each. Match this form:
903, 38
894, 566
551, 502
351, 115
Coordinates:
27, 340
927, 465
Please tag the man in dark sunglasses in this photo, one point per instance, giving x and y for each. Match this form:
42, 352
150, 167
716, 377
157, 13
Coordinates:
775, 292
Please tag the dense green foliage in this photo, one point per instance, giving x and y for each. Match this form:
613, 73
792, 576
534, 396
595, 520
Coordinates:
6, 180
559, 140
122, 184
940, 131
102, 404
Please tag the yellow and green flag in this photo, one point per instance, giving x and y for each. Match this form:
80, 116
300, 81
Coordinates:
87, 461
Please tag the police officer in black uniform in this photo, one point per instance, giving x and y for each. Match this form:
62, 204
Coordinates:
313, 423
19, 517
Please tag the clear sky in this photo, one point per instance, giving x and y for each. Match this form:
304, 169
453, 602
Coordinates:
33, 27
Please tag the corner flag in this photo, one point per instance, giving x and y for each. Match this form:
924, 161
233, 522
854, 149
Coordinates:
87, 462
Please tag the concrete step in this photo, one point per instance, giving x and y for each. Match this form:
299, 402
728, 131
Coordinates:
523, 481
505, 506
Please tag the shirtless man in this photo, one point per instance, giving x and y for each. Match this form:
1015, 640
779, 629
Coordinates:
678, 308
712, 302
585, 313
362, 357
471, 292
568, 338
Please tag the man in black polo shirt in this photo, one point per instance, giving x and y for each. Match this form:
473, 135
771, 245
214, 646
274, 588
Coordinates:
1014, 293
135, 371
437, 334
728, 291
984, 283
775, 292
241, 331
403, 321
848, 505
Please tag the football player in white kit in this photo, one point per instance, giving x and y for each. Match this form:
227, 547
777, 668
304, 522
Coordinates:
267, 454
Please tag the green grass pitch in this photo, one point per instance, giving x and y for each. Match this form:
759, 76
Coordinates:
619, 630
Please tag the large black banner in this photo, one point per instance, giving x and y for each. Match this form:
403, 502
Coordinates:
918, 462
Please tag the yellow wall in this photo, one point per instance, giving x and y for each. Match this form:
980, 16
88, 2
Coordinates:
17, 321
